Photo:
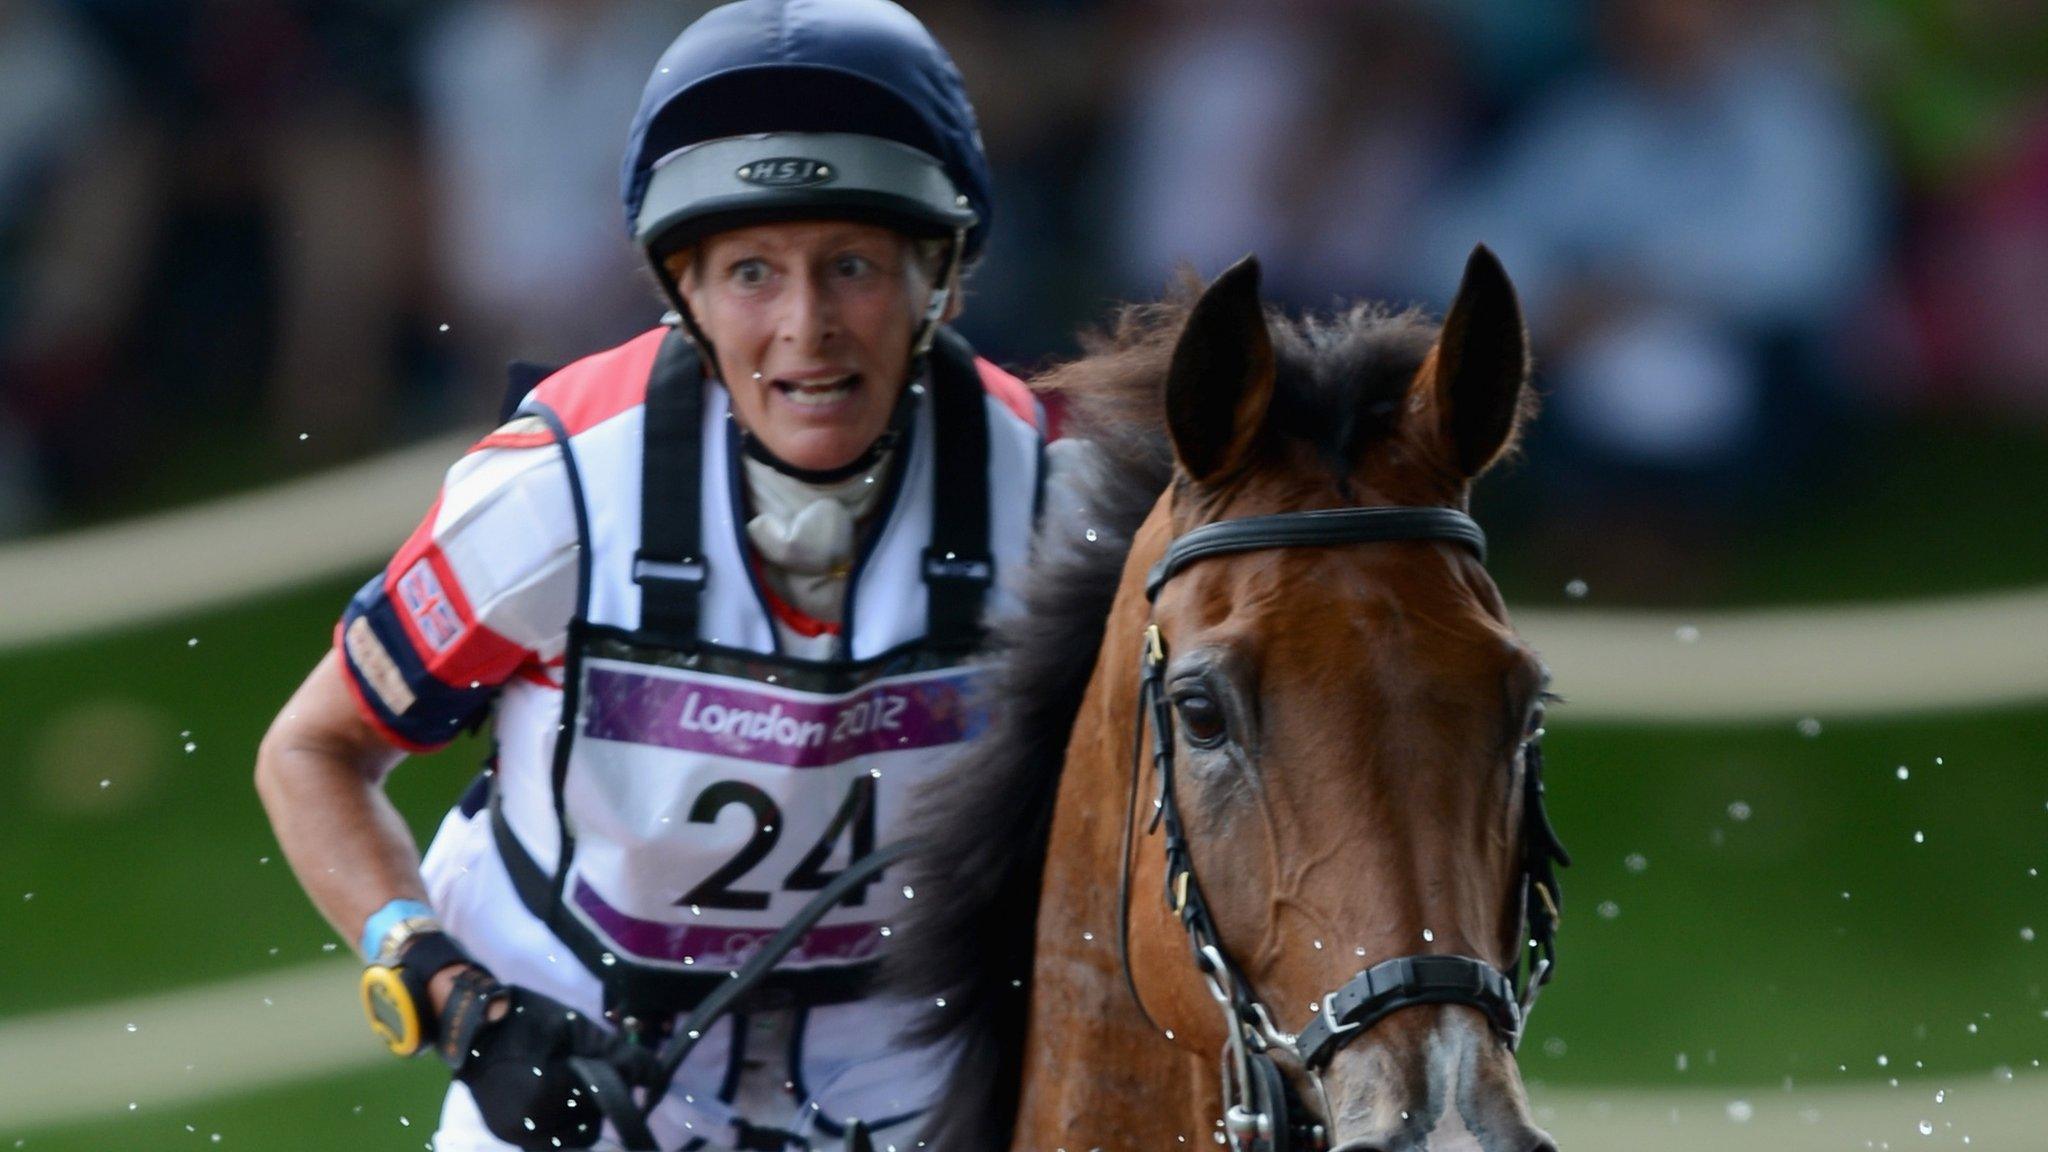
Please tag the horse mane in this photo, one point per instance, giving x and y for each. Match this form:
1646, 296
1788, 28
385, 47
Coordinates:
965, 945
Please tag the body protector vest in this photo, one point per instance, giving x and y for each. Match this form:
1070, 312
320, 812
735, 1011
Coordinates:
701, 786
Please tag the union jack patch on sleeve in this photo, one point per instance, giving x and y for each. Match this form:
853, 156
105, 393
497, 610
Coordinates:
432, 614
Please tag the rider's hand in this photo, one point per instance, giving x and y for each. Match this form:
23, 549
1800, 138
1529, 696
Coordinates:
518, 1071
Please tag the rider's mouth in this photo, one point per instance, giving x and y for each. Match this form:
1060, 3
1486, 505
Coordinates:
818, 393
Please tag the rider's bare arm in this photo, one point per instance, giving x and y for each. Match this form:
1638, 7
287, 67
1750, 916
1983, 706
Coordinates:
319, 772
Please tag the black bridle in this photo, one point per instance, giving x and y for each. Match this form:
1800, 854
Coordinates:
1262, 1113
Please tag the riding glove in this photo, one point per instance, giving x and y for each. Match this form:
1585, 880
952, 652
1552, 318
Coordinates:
517, 1069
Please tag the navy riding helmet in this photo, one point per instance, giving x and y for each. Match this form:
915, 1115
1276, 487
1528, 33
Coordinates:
788, 109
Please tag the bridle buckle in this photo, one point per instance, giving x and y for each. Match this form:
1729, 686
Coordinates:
1330, 1021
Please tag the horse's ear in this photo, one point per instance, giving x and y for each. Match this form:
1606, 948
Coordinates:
1222, 375
1482, 366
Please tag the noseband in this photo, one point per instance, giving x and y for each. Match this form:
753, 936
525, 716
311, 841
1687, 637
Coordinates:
1261, 1111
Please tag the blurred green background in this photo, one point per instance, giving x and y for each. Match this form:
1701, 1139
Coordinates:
239, 244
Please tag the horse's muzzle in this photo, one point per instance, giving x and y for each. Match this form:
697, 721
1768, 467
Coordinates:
1432, 1079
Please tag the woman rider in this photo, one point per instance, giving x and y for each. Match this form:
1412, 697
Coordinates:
713, 589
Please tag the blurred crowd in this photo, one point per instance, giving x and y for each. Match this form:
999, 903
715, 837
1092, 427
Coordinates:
259, 234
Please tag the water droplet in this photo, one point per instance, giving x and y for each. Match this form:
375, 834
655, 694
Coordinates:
191, 746
304, 436
1428, 936
1926, 1128
2027, 934
1169, 1033
444, 328
1809, 727
1318, 944
1358, 951
1608, 909
1971, 1028
1738, 811
1687, 634
106, 783
132, 1028
1883, 1060
886, 930
607, 959
1087, 935
1681, 1061
1941, 1096
1903, 773
1740, 1111
908, 894
1554, 1047
1919, 837
192, 642
1635, 862
939, 1000
1090, 534
875, 772
1576, 589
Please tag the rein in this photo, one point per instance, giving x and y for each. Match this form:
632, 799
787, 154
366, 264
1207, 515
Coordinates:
608, 1087
1261, 1112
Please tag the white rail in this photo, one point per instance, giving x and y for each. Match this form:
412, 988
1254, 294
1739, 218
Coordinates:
1766, 665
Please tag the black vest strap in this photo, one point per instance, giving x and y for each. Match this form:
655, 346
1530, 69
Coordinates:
669, 568
959, 566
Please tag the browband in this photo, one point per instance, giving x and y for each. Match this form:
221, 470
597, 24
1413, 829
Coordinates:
1326, 526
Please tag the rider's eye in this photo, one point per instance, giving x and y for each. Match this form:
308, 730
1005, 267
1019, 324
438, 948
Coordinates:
1201, 717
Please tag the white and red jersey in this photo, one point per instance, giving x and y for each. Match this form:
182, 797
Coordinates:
707, 795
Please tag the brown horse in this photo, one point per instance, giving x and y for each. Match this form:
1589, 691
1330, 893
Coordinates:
1350, 731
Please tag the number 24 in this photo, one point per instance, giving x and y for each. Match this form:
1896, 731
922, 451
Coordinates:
856, 813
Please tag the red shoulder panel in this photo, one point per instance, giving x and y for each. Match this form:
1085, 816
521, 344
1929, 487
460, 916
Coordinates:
596, 388
1010, 390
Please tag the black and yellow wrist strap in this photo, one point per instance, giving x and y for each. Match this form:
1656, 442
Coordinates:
401, 1012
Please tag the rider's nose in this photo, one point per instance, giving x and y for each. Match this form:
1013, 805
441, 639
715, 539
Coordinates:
810, 318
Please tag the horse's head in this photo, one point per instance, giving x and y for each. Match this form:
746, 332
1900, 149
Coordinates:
1349, 720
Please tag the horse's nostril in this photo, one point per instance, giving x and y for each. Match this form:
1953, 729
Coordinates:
1543, 1146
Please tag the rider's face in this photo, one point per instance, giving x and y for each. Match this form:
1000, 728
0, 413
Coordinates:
812, 324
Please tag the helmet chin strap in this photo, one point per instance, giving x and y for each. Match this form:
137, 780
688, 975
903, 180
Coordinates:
935, 311
920, 347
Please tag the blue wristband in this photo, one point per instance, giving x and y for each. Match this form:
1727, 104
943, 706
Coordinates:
384, 919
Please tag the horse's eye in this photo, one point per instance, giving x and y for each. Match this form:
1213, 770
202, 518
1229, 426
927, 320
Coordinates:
1202, 719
